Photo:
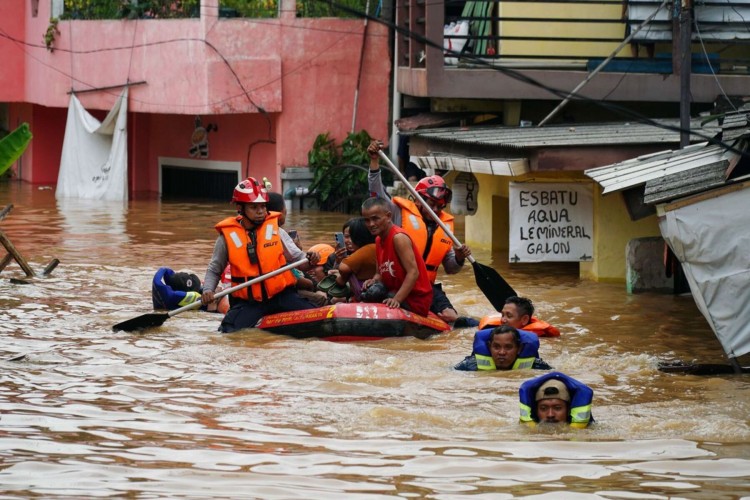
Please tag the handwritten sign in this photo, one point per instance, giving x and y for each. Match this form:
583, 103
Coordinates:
551, 222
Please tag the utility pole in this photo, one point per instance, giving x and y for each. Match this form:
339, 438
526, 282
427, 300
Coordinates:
683, 58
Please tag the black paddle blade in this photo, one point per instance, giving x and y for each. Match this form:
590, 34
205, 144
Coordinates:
493, 286
141, 322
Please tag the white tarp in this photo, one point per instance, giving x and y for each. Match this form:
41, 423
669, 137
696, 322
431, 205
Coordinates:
551, 222
711, 238
94, 160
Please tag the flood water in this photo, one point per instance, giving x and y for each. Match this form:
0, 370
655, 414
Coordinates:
182, 411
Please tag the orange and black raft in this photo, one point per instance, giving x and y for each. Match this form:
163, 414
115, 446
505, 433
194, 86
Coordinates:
353, 322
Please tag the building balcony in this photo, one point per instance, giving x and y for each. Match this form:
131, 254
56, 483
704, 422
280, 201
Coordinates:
519, 50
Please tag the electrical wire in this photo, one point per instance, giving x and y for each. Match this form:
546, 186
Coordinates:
620, 110
517, 75
710, 65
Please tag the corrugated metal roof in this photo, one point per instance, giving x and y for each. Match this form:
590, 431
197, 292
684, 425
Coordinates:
638, 171
568, 135
681, 184
507, 167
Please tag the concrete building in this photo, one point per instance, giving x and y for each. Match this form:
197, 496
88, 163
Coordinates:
619, 65
262, 88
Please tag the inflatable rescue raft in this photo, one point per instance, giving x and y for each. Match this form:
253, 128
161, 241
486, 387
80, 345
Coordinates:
353, 322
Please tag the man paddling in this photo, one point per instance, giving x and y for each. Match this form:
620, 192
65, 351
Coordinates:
400, 267
251, 243
432, 243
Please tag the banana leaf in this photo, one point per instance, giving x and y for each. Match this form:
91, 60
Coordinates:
13, 145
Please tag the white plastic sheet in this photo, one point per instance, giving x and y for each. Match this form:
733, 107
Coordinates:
94, 157
711, 238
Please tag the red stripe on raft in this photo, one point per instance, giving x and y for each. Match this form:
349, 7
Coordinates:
353, 321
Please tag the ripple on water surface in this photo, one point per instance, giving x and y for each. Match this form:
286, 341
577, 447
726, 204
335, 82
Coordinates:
180, 410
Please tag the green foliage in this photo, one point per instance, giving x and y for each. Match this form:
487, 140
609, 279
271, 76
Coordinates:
339, 184
130, 9
51, 33
249, 8
165, 9
13, 145
318, 8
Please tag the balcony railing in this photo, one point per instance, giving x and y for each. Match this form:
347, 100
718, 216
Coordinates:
578, 34
174, 9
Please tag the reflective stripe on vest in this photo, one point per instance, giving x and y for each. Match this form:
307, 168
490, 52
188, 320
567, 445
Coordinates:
414, 225
525, 414
580, 415
190, 297
269, 250
487, 363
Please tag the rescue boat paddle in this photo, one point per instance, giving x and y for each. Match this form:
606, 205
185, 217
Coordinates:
492, 285
151, 320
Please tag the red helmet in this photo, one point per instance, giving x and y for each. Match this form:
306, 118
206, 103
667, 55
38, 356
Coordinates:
434, 188
250, 191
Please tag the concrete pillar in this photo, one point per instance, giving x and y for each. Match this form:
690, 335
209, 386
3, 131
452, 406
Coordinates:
644, 259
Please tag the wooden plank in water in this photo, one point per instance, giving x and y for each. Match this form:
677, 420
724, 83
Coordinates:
16, 254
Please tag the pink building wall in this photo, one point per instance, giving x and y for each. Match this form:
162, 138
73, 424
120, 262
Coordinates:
302, 73
12, 76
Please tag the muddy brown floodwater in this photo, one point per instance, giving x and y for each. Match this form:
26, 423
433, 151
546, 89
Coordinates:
182, 411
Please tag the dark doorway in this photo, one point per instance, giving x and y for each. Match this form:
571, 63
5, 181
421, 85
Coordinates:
179, 183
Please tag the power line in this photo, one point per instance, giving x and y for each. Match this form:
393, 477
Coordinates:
517, 75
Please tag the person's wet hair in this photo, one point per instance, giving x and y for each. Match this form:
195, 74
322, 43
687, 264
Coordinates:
524, 305
506, 329
275, 202
359, 233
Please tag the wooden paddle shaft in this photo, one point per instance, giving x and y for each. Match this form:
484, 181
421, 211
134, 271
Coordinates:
420, 200
197, 303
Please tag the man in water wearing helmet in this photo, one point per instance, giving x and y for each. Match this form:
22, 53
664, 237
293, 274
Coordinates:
430, 239
251, 243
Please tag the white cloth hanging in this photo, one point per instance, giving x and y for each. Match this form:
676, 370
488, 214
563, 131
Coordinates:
94, 162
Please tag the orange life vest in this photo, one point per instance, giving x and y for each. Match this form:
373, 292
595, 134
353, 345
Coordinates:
414, 225
541, 328
269, 250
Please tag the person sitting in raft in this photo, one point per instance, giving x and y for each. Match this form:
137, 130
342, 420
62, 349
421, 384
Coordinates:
305, 286
400, 267
434, 246
316, 273
253, 245
556, 398
334, 260
503, 348
361, 264
518, 312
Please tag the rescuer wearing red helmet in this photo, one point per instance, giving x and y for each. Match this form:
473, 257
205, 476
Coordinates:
434, 245
252, 245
